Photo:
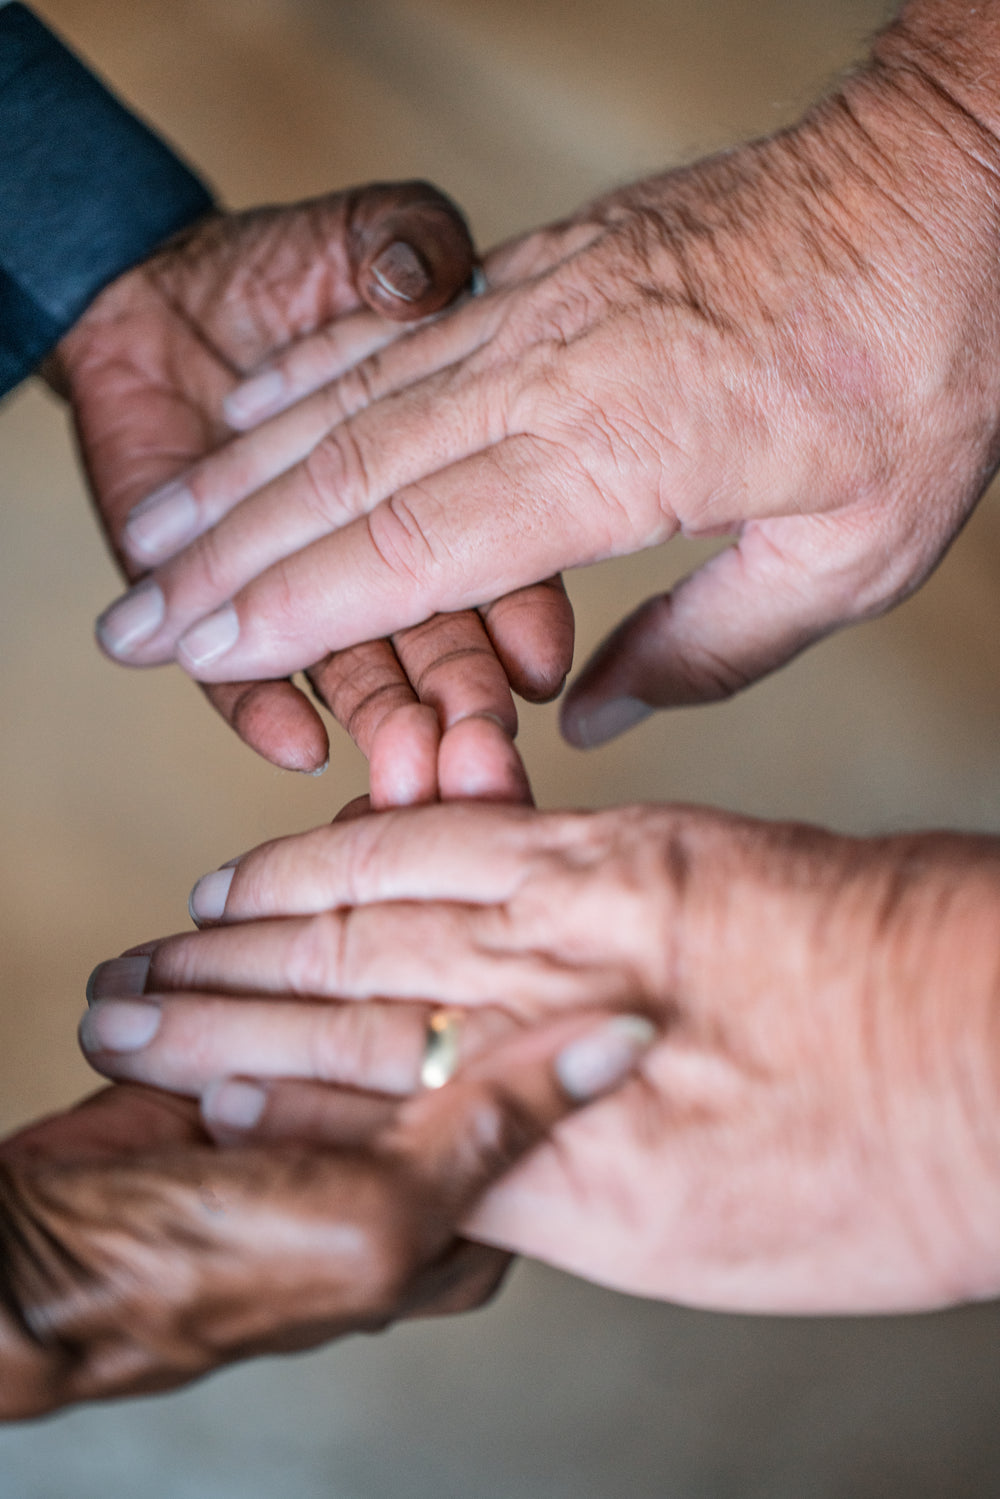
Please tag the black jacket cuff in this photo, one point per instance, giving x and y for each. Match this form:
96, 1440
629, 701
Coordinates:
86, 191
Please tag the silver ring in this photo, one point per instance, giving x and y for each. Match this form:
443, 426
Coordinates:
478, 284
441, 1048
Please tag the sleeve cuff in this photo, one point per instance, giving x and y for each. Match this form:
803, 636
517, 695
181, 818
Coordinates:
86, 191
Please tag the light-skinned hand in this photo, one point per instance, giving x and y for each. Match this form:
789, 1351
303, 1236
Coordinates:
796, 343
816, 1129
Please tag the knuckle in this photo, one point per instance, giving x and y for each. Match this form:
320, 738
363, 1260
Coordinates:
337, 476
316, 958
212, 561
346, 1046
400, 538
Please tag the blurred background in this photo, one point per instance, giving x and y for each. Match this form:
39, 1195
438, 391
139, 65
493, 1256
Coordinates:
119, 789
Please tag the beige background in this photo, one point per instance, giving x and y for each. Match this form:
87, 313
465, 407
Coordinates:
119, 788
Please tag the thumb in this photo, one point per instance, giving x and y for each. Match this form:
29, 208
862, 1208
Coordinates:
743, 614
409, 247
464, 1137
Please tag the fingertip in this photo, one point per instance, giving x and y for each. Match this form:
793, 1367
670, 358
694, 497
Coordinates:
276, 721
478, 761
207, 901
231, 1108
590, 724
533, 631
403, 758
414, 250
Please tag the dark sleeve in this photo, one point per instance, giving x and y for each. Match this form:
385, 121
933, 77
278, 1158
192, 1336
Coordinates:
86, 191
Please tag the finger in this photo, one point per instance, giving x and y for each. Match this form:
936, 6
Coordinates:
463, 1137
276, 720
749, 610
480, 529
346, 474
403, 759
410, 248
242, 1109
303, 445
358, 806
306, 366
182, 1043
478, 761
445, 952
425, 853
532, 633
396, 699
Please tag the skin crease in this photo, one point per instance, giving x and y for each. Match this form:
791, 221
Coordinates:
815, 1132
135, 1256
795, 342
147, 370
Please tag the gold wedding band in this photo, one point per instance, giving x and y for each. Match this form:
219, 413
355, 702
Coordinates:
441, 1046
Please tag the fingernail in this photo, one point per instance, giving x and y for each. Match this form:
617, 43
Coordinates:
132, 619
257, 398
207, 901
234, 1104
118, 977
588, 730
400, 271
212, 638
119, 1025
320, 770
161, 524
595, 1063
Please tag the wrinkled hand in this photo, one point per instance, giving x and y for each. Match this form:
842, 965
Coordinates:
816, 1130
796, 343
151, 371
135, 1256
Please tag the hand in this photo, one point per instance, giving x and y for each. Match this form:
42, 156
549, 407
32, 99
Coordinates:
816, 1130
796, 342
133, 1257
151, 370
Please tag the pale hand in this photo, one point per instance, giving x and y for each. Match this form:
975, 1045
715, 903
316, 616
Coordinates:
797, 343
816, 1131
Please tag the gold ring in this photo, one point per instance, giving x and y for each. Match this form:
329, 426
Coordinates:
441, 1047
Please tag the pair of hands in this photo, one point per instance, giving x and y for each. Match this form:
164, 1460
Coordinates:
796, 343
134, 1255
151, 371
814, 1129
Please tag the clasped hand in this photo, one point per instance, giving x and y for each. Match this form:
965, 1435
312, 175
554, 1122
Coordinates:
811, 1133
796, 343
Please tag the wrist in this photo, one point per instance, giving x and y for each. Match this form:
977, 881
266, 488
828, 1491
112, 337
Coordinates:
936, 1033
949, 51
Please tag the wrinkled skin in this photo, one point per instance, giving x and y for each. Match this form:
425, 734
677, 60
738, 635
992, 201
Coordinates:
135, 1255
148, 370
816, 1130
796, 343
